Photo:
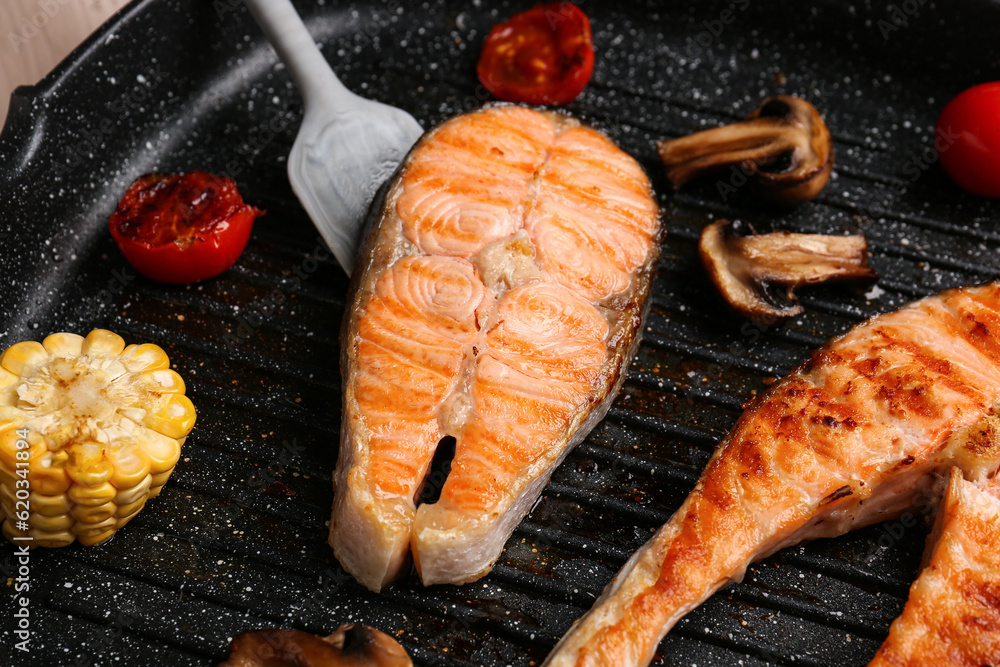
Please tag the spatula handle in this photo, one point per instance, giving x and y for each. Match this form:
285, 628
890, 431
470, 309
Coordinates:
305, 62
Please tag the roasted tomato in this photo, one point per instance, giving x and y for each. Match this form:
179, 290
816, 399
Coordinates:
182, 228
968, 139
542, 56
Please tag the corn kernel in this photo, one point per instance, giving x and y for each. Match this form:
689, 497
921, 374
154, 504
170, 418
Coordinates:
49, 505
10, 532
102, 344
89, 470
8, 448
131, 466
51, 540
134, 494
92, 496
7, 476
174, 417
49, 477
51, 524
64, 344
155, 488
22, 358
162, 381
93, 514
11, 417
8, 380
158, 481
7, 497
163, 451
145, 357
126, 512
103, 521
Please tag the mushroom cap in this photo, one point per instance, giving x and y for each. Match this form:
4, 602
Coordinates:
732, 274
758, 273
798, 175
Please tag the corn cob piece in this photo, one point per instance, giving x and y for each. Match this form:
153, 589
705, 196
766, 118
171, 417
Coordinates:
89, 431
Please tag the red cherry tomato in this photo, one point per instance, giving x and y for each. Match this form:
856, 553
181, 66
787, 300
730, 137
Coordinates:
968, 139
542, 56
182, 228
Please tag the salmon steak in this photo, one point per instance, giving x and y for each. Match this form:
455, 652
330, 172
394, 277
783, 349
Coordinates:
499, 297
856, 435
952, 617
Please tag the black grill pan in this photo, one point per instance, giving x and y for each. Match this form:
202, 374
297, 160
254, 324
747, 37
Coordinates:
174, 85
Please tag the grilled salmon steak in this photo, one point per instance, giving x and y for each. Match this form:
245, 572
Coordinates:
854, 436
499, 297
952, 618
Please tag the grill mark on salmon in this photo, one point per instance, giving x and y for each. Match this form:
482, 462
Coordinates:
952, 616
519, 372
912, 385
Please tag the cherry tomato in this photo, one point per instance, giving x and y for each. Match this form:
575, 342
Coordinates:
968, 139
182, 228
542, 56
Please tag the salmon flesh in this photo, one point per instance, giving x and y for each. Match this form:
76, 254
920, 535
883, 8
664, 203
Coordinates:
952, 617
856, 435
499, 297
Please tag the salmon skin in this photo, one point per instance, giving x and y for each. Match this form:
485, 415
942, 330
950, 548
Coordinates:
952, 617
500, 296
854, 436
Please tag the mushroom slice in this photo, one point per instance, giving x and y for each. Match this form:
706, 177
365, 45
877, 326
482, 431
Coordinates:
352, 645
758, 273
784, 146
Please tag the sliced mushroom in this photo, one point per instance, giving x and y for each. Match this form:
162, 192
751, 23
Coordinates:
352, 645
784, 146
758, 273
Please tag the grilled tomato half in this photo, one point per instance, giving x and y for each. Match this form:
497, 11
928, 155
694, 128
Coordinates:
182, 228
542, 56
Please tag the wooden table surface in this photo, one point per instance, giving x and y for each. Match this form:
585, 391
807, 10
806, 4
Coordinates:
36, 34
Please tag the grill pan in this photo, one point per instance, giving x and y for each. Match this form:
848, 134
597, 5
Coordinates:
173, 85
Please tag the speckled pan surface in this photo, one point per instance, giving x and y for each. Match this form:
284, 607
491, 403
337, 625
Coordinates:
180, 84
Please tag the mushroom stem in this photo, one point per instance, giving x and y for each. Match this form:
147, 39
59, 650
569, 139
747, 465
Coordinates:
800, 259
784, 145
754, 142
758, 274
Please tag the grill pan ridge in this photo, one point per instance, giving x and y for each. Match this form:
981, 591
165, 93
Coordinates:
172, 85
